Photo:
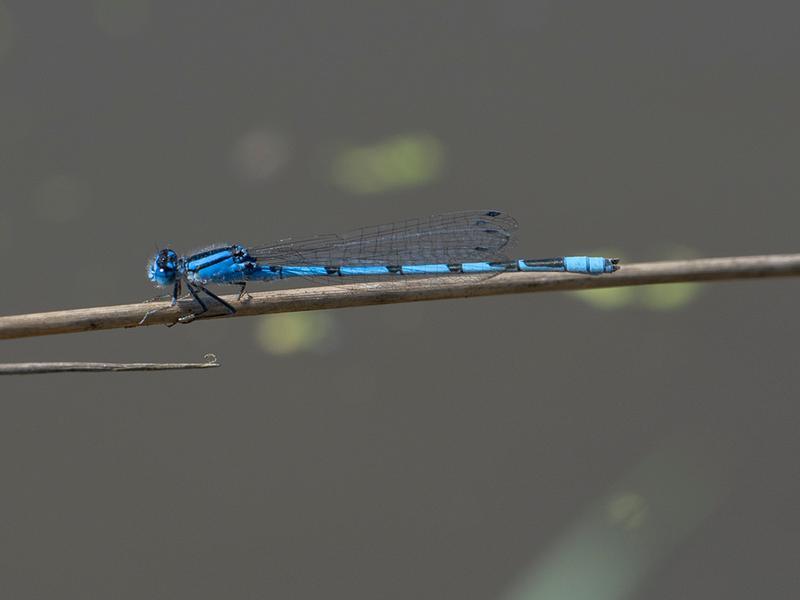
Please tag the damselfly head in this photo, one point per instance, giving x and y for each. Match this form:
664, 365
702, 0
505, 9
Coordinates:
163, 268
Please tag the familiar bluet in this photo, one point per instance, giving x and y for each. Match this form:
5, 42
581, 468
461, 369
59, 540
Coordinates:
471, 242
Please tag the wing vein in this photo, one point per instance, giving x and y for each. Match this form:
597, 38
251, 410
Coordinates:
453, 237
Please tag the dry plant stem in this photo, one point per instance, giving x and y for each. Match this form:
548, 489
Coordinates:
94, 367
402, 290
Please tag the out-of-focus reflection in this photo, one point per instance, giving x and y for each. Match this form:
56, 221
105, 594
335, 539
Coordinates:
293, 333
403, 161
623, 536
260, 154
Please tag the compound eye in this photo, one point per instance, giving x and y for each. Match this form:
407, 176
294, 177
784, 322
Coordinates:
165, 259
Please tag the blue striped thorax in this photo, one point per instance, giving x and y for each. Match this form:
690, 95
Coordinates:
221, 265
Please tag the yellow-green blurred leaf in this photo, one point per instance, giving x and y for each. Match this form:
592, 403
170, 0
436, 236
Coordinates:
402, 161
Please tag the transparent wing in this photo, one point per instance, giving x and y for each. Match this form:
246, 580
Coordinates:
471, 236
